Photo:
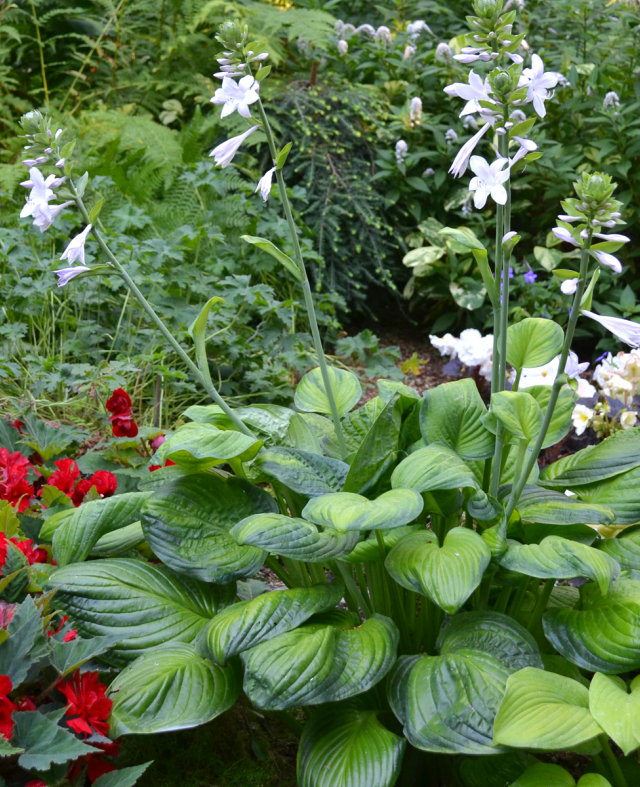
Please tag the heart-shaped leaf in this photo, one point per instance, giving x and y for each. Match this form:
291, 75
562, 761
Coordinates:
603, 635
198, 447
433, 468
447, 575
348, 748
346, 511
519, 413
311, 396
248, 623
303, 472
625, 548
544, 774
319, 663
451, 415
619, 493
368, 550
615, 710
187, 525
553, 508
294, 538
559, 558
544, 712
494, 633
66, 657
172, 688
561, 419
448, 703
141, 604
533, 342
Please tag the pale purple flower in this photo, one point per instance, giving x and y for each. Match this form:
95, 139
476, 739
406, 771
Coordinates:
66, 274
488, 181
476, 90
75, 249
461, 161
264, 184
44, 214
626, 330
225, 152
40, 194
237, 95
613, 238
569, 286
530, 277
538, 83
526, 146
563, 234
609, 260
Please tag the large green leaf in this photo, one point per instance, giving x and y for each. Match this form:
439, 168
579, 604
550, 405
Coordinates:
448, 703
270, 420
496, 771
619, 493
143, 605
533, 342
84, 526
519, 413
248, 623
187, 525
625, 548
171, 688
355, 427
451, 415
319, 663
447, 575
44, 742
119, 541
544, 774
346, 511
559, 558
603, 635
294, 538
25, 645
311, 396
494, 633
197, 447
615, 710
348, 748
561, 419
613, 456
432, 468
303, 472
368, 550
554, 508
544, 711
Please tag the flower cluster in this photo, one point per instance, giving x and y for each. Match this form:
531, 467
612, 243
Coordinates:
618, 376
14, 487
121, 419
67, 479
7, 707
600, 421
87, 704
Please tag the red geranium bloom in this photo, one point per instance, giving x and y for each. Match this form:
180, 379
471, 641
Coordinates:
26, 703
64, 478
168, 463
105, 483
123, 424
33, 555
119, 402
19, 425
14, 486
87, 702
6, 708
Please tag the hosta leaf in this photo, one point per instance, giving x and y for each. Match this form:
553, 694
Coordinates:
519, 413
561, 419
544, 774
553, 508
613, 456
311, 397
483, 507
625, 548
544, 711
346, 511
559, 558
448, 703
319, 663
245, 625
119, 541
197, 447
451, 415
432, 468
270, 420
141, 604
494, 633
294, 538
301, 435
303, 472
604, 634
123, 777
171, 688
620, 494
368, 550
496, 771
187, 525
82, 529
533, 342
348, 748
615, 710
45, 742
447, 575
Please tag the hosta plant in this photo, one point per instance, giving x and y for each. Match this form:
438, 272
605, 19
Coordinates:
428, 629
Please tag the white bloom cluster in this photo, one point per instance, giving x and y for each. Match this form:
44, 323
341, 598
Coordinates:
619, 375
472, 348
383, 35
343, 47
401, 151
444, 54
450, 136
545, 375
409, 51
415, 110
415, 28
612, 99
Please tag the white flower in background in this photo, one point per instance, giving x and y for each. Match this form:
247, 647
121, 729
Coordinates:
569, 286
604, 258
342, 28
224, 153
573, 368
539, 83
75, 249
66, 274
264, 184
237, 95
383, 35
368, 29
447, 345
563, 234
415, 28
626, 330
450, 136
409, 51
444, 54
545, 375
429, 172
343, 47
628, 419
476, 90
415, 110
44, 214
581, 418
562, 80
585, 389
472, 348
488, 181
518, 116
612, 99
401, 151
469, 122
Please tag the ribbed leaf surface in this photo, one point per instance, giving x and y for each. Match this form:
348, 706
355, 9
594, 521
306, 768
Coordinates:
346, 511
200, 446
311, 397
620, 494
625, 548
431, 468
554, 508
303, 472
368, 550
615, 710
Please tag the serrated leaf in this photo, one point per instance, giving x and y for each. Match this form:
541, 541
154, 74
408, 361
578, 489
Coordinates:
533, 342
311, 397
274, 251
303, 472
346, 511
6, 749
25, 644
123, 777
435, 467
68, 656
615, 710
197, 447
45, 742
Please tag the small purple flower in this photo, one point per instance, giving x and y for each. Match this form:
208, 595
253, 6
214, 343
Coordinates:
530, 277
510, 272
601, 357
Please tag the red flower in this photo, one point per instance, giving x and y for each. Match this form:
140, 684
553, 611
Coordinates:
3, 549
70, 635
36, 783
157, 442
26, 703
14, 486
37, 555
105, 483
168, 463
124, 425
19, 425
87, 702
119, 402
64, 478
6, 708
55, 631
97, 766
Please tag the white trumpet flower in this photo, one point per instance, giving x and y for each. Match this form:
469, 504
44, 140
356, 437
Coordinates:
66, 274
225, 152
626, 330
75, 249
563, 234
539, 82
604, 258
264, 184
569, 286
237, 95
488, 181
461, 161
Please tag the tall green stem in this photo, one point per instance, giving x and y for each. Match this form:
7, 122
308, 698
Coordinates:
202, 376
612, 761
306, 288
